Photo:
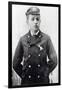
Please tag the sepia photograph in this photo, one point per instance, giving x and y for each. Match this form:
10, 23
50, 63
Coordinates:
34, 44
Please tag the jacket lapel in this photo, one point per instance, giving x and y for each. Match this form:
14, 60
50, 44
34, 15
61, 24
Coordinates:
32, 40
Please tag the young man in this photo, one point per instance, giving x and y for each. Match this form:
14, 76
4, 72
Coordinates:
33, 49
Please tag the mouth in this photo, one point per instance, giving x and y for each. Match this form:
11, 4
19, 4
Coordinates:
36, 26
36, 31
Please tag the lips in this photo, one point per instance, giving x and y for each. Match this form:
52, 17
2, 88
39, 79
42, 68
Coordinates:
36, 26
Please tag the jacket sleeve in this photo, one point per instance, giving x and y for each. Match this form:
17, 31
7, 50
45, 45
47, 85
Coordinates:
17, 66
51, 55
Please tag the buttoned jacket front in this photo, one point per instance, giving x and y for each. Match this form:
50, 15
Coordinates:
33, 52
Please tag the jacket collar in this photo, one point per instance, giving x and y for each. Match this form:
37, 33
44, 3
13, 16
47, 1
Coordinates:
32, 40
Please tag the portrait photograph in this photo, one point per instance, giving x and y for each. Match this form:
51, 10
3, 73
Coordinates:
33, 44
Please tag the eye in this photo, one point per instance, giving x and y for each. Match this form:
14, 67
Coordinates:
37, 19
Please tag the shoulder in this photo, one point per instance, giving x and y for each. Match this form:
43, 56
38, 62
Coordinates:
23, 38
45, 36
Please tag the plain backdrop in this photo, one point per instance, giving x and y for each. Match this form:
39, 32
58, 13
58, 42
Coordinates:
4, 44
49, 25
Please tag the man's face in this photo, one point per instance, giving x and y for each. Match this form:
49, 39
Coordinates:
33, 22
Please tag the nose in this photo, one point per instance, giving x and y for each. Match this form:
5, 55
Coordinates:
35, 21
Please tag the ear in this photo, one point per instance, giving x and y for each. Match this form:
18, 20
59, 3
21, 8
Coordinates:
27, 21
40, 20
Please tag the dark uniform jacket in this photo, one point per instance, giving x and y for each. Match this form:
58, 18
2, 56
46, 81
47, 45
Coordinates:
33, 51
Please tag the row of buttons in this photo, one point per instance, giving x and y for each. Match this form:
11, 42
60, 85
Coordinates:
30, 55
29, 36
38, 46
37, 65
38, 76
39, 37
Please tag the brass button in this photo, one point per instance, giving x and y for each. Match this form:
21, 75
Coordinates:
29, 45
38, 65
39, 36
41, 48
28, 36
29, 76
38, 76
39, 55
29, 55
29, 66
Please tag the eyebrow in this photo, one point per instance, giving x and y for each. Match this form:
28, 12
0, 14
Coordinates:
36, 16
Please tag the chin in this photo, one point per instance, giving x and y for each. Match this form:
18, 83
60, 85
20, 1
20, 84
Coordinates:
36, 30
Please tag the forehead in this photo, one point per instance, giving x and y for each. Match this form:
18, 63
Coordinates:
34, 16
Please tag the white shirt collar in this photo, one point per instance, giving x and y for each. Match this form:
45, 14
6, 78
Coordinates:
35, 33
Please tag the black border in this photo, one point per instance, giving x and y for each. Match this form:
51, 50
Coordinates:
10, 40
9, 44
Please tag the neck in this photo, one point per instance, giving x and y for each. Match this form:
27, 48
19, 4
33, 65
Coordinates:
32, 33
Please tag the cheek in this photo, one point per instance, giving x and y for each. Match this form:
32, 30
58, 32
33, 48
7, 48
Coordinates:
31, 24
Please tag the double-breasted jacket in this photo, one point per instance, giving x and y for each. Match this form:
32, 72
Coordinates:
33, 52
